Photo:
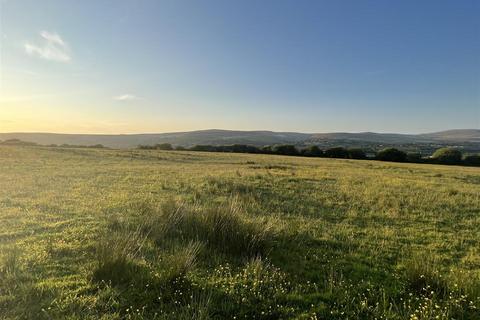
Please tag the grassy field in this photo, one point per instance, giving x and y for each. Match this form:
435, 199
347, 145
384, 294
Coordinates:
108, 234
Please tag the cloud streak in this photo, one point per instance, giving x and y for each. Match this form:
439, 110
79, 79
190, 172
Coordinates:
52, 47
126, 97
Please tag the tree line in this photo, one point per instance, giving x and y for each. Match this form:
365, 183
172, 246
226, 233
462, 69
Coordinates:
18, 142
450, 156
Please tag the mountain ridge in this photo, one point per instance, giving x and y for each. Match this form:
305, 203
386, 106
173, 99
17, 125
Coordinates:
254, 137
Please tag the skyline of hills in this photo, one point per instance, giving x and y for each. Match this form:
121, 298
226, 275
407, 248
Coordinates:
464, 138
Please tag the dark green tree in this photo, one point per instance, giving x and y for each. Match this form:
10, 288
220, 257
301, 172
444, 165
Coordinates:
337, 152
356, 153
414, 157
447, 156
285, 149
312, 151
392, 154
163, 146
472, 160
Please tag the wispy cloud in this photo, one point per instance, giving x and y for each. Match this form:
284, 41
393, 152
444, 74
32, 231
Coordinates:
52, 47
126, 97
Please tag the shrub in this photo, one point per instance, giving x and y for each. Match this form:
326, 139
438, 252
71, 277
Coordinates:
266, 150
337, 152
447, 156
414, 157
141, 146
202, 147
312, 151
392, 154
180, 148
164, 146
285, 149
356, 153
239, 148
472, 160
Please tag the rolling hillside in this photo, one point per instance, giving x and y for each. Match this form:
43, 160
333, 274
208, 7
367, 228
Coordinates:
258, 138
142, 234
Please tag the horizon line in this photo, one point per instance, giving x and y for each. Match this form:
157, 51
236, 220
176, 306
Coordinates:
230, 130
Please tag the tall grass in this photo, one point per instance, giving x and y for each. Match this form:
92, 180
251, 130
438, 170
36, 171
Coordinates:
10, 264
223, 227
423, 274
182, 261
116, 252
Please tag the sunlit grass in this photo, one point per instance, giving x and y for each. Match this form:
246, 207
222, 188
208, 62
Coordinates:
86, 234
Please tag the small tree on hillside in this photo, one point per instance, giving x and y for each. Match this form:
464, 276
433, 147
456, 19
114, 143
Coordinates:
472, 160
163, 146
266, 149
285, 149
312, 151
414, 157
356, 153
447, 156
337, 152
392, 154
204, 147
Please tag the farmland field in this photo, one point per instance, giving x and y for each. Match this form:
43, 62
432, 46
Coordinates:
129, 234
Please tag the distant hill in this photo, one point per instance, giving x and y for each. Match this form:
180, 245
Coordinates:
214, 137
467, 137
450, 136
470, 135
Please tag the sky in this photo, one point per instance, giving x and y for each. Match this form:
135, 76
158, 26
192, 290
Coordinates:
137, 66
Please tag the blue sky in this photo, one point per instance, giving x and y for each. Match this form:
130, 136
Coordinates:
310, 66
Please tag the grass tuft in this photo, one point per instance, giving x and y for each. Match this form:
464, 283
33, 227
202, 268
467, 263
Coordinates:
183, 261
116, 254
424, 276
10, 265
224, 227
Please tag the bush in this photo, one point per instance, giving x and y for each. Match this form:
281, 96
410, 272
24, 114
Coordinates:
267, 150
239, 148
472, 160
414, 157
204, 147
285, 149
312, 151
163, 146
392, 154
96, 146
337, 152
356, 153
447, 156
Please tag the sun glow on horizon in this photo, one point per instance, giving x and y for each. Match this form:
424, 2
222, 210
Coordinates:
153, 66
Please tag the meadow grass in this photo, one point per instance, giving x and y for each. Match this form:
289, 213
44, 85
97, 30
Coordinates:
141, 234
